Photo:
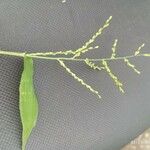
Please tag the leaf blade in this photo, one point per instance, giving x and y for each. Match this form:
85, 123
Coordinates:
28, 104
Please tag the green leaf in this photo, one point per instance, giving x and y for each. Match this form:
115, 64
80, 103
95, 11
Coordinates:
28, 104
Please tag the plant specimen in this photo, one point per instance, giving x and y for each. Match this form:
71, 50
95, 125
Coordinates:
28, 102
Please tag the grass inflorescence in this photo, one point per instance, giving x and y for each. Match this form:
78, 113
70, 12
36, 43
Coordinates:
75, 55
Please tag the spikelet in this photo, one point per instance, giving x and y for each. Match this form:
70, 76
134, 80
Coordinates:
131, 65
139, 49
77, 53
114, 49
78, 79
93, 65
147, 55
115, 79
63, 1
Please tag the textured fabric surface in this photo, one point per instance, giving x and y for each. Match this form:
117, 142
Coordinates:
70, 117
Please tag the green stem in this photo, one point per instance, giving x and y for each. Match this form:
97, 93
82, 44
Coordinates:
70, 59
18, 54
